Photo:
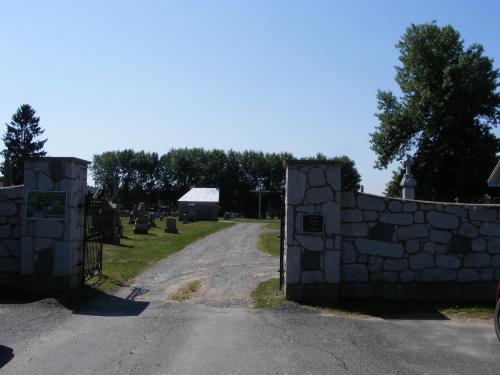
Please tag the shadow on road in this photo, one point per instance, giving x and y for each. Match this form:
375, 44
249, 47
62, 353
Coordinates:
87, 301
6, 354
91, 301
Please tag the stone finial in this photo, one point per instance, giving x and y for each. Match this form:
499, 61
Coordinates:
408, 182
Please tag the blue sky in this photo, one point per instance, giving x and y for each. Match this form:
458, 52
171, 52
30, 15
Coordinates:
298, 76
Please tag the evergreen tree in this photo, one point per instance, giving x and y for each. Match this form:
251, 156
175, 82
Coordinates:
21, 142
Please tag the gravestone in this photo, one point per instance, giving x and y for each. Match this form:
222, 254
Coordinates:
171, 226
152, 222
108, 219
142, 220
133, 215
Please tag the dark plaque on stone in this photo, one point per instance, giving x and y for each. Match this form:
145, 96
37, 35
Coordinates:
312, 224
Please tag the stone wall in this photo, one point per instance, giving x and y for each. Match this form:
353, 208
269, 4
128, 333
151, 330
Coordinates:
52, 250
11, 200
412, 242
389, 248
312, 260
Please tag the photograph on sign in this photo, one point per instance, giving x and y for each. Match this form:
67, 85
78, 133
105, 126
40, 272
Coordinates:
48, 205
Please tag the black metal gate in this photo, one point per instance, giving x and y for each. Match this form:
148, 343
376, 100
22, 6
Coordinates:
93, 238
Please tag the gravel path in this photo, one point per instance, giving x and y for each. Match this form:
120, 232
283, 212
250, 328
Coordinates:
142, 331
227, 264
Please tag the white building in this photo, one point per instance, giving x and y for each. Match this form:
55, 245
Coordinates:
200, 204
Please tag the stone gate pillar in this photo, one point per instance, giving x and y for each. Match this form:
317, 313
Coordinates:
312, 231
53, 224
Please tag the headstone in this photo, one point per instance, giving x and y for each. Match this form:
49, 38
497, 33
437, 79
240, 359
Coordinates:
133, 215
141, 221
109, 220
171, 226
152, 222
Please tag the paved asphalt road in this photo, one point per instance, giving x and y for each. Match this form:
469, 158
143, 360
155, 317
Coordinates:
141, 331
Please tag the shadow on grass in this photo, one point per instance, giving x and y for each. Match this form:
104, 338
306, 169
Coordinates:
268, 295
151, 234
6, 354
415, 310
125, 246
390, 309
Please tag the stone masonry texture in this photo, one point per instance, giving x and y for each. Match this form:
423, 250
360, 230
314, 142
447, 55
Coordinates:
382, 241
11, 201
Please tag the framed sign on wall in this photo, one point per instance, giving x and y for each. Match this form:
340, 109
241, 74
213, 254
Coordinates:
46, 205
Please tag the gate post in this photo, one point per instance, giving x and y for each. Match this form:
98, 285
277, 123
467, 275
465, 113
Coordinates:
312, 231
53, 224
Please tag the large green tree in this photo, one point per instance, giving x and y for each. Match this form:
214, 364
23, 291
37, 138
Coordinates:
350, 177
21, 142
448, 105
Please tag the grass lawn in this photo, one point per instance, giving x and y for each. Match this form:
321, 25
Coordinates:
187, 291
140, 251
267, 295
269, 239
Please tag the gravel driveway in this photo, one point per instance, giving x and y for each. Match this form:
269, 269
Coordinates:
142, 331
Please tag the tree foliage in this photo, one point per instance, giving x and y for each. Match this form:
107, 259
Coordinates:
164, 179
22, 142
449, 104
350, 177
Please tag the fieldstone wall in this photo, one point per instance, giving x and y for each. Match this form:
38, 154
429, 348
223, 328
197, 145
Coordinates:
372, 246
413, 242
52, 250
11, 200
312, 259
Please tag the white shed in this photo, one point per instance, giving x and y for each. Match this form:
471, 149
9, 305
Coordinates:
200, 204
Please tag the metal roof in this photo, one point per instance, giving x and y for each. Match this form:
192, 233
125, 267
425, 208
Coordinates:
494, 178
201, 195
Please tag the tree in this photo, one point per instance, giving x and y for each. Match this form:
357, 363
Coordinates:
164, 179
350, 177
21, 142
448, 107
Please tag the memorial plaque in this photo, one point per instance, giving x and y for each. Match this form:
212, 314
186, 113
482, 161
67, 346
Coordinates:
312, 224
48, 205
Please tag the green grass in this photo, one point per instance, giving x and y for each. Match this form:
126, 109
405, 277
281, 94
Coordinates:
468, 311
121, 263
186, 291
268, 294
269, 240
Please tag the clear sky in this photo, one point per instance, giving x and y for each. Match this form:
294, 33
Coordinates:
298, 76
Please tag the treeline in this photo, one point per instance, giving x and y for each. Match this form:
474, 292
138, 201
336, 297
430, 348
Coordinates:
162, 180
